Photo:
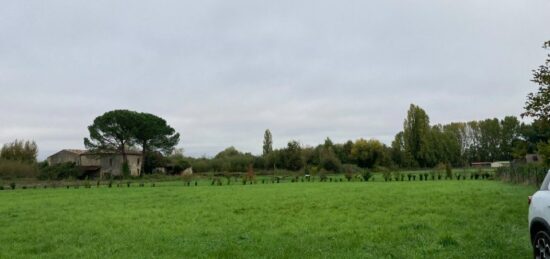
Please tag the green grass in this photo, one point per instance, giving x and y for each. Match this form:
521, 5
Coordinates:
429, 219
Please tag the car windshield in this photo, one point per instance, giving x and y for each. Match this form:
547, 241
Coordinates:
544, 186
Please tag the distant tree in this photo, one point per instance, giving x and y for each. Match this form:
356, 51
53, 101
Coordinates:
416, 133
153, 134
510, 134
178, 161
490, 139
19, 150
113, 132
228, 152
119, 130
328, 143
292, 156
268, 143
327, 157
310, 155
538, 104
398, 150
368, 153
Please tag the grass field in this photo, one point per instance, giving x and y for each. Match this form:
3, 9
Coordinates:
433, 219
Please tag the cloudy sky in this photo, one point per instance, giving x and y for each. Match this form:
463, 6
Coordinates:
221, 72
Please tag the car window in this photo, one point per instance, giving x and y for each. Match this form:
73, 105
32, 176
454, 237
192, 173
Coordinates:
544, 186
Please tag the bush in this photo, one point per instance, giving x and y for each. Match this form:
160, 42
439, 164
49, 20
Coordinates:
367, 175
16, 169
397, 175
350, 170
386, 174
448, 172
59, 171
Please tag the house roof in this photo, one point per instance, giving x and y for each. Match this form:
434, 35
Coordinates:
128, 153
75, 151
81, 152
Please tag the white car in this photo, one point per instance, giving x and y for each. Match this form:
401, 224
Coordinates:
539, 220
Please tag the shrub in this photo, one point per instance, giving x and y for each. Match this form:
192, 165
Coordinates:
448, 171
366, 175
350, 170
323, 175
397, 175
59, 171
187, 177
386, 174
16, 169
12, 186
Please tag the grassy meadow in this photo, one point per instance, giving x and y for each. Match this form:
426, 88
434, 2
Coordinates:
421, 219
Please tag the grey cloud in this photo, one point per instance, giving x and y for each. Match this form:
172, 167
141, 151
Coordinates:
221, 72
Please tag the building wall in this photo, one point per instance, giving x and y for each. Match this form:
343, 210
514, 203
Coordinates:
64, 157
112, 164
109, 163
89, 160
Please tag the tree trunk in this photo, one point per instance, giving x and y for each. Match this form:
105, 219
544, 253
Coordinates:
125, 164
143, 152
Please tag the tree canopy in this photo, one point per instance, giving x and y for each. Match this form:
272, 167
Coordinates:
19, 150
119, 130
538, 104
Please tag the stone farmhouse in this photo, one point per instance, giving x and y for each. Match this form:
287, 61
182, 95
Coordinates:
98, 164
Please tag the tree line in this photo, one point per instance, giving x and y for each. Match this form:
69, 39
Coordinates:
418, 145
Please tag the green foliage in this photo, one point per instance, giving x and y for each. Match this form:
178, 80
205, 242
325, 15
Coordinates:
448, 171
368, 153
367, 175
118, 130
328, 159
268, 143
59, 171
544, 150
125, 169
19, 150
113, 131
178, 162
538, 104
291, 156
350, 170
11, 169
154, 160
416, 136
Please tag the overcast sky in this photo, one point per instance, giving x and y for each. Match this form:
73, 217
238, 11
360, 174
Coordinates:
221, 72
